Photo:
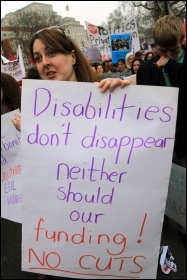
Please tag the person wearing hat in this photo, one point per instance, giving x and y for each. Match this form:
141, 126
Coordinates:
128, 61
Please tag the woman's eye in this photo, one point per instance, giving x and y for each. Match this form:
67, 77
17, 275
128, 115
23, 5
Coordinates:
37, 59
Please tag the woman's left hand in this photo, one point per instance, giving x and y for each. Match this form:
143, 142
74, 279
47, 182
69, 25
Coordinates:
111, 83
17, 122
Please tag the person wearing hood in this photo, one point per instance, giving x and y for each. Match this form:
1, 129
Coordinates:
128, 61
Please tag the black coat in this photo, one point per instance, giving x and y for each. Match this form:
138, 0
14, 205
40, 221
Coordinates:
149, 74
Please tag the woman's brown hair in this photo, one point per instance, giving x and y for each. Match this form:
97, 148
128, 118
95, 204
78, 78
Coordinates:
11, 94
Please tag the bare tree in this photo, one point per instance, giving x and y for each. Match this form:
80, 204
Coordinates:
24, 25
146, 13
160, 8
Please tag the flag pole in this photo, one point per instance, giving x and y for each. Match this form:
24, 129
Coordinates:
67, 8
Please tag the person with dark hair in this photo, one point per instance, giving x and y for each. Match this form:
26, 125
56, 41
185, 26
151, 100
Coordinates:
58, 58
136, 64
121, 65
32, 73
168, 68
154, 49
109, 74
10, 94
139, 54
148, 55
100, 69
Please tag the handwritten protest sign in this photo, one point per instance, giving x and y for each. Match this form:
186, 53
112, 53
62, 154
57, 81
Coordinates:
176, 199
96, 169
11, 196
14, 68
100, 36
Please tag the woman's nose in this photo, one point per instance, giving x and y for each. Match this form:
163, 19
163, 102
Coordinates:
46, 61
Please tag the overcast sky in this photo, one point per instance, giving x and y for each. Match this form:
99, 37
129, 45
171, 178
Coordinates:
94, 12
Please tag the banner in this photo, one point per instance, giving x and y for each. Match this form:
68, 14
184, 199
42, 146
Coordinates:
176, 199
100, 36
11, 195
96, 170
14, 68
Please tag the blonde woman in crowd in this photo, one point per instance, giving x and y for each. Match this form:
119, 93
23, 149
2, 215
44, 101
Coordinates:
128, 61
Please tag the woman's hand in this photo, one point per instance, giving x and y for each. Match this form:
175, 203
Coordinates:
111, 83
17, 122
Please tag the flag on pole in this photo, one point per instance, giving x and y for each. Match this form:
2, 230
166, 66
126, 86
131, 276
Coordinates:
20, 59
67, 8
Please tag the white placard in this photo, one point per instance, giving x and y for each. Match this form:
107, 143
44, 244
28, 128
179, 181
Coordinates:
96, 170
11, 195
176, 199
100, 36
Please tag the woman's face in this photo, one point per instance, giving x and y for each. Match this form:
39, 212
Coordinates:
150, 56
121, 65
136, 65
52, 65
100, 69
130, 59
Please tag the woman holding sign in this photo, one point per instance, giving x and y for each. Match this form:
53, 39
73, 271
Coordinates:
58, 58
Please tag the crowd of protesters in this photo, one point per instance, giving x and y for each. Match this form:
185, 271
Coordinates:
67, 63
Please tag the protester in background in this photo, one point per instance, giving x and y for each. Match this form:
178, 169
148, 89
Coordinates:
136, 64
144, 45
121, 65
111, 67
148, 55
154, 49
10, 94
58, 58
139, 54
168, 68
100, 69
128, 61
106, 64
108, 74
32, 73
